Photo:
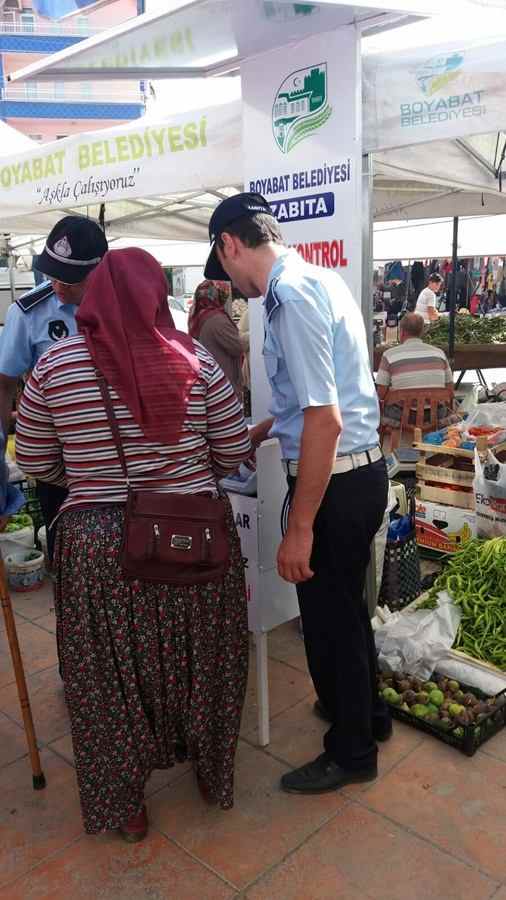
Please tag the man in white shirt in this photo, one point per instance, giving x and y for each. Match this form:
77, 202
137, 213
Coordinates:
426, 303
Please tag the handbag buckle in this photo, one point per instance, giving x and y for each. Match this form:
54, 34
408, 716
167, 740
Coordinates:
181, 542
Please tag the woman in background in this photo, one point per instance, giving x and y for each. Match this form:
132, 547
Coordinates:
210, 324
152, 672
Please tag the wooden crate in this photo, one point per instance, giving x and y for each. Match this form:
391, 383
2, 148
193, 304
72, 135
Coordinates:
462, 499
435, 464
444, 475
458, 655
433, 449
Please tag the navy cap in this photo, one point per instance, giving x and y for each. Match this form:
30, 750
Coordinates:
236, 207
73, 248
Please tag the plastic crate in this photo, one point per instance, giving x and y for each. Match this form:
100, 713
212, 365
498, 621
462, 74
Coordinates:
474, 736
32, 506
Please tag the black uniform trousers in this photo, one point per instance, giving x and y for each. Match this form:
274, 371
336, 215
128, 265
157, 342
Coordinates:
337, 630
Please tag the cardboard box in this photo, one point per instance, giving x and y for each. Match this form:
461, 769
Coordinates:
443, 528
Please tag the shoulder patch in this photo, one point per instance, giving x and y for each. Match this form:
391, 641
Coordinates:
272, 301
34, 297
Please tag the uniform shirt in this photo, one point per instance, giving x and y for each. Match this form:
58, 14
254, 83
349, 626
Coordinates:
315, 354
27, 335
426, 299
414, 365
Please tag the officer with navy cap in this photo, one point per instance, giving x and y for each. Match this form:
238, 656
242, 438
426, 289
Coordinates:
325, 415
45, 315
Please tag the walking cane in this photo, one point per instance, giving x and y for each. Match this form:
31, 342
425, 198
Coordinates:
39, 780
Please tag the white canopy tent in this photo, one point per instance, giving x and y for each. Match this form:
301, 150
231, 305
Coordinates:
432, 239
409, 183
12, 140
208, 38
159, 192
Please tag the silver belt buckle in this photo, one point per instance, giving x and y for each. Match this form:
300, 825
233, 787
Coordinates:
181, 542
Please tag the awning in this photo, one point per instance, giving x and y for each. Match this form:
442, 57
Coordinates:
206, 38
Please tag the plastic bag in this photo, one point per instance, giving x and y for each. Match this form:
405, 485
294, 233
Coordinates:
415, 641
491, 414
490, 496
472, 673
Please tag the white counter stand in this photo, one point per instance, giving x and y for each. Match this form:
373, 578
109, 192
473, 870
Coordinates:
271, 601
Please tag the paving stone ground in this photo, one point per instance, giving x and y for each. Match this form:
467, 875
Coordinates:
432, 827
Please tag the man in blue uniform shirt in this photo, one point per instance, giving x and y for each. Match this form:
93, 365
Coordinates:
45, 315
325, 416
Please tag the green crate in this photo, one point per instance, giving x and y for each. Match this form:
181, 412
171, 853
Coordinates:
32, 506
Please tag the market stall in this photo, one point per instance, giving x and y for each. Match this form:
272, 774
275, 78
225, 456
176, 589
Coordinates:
480, 343
198, 158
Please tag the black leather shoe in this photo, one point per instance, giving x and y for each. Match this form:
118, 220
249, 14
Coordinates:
322, 776
320, 711
380, 734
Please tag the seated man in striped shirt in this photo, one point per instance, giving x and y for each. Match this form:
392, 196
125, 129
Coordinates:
413, 365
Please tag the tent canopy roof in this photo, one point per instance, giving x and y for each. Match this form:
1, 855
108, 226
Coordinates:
195, 38
13, 141
409, 183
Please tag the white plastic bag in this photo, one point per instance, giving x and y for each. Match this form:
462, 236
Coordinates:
491, 414
10, 541
490, 496
472, 673
415, 641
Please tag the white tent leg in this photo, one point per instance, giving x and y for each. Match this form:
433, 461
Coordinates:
368, 314
262, 688
12, 274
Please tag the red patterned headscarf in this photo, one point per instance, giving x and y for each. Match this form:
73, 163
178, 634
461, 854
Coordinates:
209, 300
132, 340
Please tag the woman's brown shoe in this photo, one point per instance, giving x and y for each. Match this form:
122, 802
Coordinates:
136, 829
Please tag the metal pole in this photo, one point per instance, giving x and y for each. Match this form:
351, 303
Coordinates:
368, 314
453, 294
12, 274
367, 251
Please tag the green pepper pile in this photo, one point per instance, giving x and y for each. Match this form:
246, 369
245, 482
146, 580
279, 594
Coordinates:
469, 330
475, 578
18, 522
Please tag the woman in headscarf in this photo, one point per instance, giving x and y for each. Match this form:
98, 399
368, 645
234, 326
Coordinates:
210, 324
152, 673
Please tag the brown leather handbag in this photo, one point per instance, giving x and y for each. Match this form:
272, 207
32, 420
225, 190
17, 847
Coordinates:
178, 539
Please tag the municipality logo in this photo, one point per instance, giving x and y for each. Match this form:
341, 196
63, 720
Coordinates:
301, 106
438, 72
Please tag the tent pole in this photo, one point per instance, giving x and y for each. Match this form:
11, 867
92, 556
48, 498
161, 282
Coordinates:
367, 251
368, 314
12, 273
453, 294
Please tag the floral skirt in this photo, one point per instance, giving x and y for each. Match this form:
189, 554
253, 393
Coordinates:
152, 673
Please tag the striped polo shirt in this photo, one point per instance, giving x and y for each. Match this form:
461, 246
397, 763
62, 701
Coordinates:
414, 365
63, 435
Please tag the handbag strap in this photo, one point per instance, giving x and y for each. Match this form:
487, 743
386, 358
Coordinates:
113, 423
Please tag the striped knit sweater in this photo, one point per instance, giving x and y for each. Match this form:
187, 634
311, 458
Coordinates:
63, 436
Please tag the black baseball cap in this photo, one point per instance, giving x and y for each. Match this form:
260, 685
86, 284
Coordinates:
73, 248
236, 207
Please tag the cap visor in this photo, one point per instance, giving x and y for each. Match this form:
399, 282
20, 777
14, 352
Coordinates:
54, 269
214, 270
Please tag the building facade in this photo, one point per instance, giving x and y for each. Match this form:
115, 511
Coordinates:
45, 111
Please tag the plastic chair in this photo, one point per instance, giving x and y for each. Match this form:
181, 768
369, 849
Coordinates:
414, 406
